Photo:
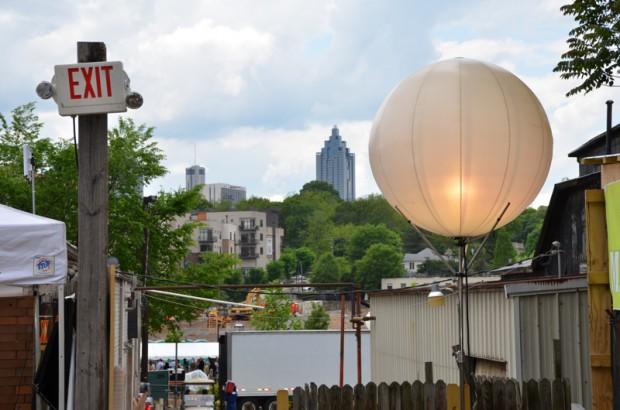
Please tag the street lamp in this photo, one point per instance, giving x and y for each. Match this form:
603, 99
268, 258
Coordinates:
460, 148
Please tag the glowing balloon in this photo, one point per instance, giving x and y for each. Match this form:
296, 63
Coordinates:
455, 142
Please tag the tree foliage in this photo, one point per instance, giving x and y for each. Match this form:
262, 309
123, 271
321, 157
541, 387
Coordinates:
318, 319
277, 314
326, 269
593, 54
365, 236
134, 161
380, 261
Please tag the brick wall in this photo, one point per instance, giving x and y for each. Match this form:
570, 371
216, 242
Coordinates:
16, 336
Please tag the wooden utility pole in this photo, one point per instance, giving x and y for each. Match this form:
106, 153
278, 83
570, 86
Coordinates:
91, 384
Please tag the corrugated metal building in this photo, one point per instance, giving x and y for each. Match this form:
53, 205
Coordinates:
513, 325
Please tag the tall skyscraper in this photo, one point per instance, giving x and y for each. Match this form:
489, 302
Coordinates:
336, 166
194, 175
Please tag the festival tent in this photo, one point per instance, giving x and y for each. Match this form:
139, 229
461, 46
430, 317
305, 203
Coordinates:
33, 249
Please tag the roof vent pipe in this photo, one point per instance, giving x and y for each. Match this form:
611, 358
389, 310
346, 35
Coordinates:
608, 133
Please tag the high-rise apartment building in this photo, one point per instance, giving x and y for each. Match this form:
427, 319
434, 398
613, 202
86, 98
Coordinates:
194, 175
255, 237
215, 193
336, 166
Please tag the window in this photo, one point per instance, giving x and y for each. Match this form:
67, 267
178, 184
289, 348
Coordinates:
389, 286
403, 285
261, 250
261, 236
261, 222
412, 265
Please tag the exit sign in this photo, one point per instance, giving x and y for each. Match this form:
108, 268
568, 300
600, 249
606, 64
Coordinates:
90, 88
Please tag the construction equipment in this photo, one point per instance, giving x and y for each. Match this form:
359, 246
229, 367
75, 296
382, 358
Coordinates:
254, 297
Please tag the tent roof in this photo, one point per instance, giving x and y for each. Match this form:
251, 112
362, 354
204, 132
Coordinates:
14, 217
33, 249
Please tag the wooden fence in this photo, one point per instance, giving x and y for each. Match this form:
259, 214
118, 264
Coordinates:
490, 394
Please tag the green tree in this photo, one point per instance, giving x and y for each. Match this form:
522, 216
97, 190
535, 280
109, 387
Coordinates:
325, 270
275, 271
289, 260
318, 319
380, 261
593, 54
305, 258
367, 235
256, 203
319, 186
276, 314
504, 253
256, 275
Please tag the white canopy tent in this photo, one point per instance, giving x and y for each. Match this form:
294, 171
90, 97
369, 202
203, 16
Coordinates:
33, 251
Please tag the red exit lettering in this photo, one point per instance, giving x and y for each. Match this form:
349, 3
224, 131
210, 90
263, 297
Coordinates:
91, 79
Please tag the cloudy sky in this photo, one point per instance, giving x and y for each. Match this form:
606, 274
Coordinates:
255, 86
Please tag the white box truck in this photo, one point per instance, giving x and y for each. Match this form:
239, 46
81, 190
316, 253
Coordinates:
261, 363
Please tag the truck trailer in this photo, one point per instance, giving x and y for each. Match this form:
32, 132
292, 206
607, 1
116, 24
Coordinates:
262, 362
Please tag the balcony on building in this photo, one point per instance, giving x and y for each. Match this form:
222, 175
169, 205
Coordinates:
248, 224
205, 235
248, 239
248, 252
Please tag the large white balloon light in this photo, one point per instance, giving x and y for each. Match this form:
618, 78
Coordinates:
457, 141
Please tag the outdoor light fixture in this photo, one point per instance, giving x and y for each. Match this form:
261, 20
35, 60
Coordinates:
436, 297
460, 148
134, 100
45, 90
457, 141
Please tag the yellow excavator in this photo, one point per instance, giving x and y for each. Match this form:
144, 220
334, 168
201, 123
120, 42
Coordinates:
254, 297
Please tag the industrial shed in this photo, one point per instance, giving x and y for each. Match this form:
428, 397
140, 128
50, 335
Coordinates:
513, 326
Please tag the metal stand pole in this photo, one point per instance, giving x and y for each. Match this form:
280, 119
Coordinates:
342, 340
36, 344
459, 357
61, 347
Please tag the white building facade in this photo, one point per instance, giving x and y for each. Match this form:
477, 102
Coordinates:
255, 237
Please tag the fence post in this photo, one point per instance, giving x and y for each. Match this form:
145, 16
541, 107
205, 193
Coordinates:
511, 395
558, 395
498, 394
384, 396
428, 372
312, 396
545, 393
298, 398
359, 397
533, 396
347, 398
486, 394
406, 399
394, 396
417, 390
429, 396
323, 397
440, 395
371, 396
335, 397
